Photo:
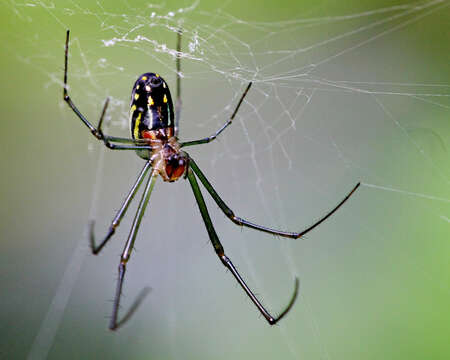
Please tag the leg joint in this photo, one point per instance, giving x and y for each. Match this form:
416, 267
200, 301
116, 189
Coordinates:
236, 220
97, 134
115, 223
224, 259
108, 144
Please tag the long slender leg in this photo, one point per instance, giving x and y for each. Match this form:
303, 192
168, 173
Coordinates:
178, 100
108, 139
226, 260
115, 323
97, 132
242, 222
120, 214
224, 126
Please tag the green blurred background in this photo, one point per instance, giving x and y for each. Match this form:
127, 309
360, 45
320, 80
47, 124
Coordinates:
343, 92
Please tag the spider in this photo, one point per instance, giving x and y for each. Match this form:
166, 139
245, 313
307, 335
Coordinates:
154, 137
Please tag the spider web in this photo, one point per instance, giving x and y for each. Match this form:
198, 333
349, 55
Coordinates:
338, 96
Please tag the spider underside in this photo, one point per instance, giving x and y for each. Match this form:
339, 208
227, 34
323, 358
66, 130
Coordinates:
154, 137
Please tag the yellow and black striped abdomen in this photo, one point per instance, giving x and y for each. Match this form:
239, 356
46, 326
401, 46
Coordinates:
151, 105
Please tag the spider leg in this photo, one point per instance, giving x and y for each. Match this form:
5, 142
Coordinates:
97, 132
242, 222
115, 323
224, 126
120, 214
226, 260
178, 100
108, 139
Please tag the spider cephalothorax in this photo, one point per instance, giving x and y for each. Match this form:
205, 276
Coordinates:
167, 159
154, 131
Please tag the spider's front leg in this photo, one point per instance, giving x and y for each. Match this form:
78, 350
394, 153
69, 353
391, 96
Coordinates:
97, 131
115, 323
120, 214
226, 260
242, 222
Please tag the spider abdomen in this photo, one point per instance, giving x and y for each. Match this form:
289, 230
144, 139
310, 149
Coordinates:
151, 105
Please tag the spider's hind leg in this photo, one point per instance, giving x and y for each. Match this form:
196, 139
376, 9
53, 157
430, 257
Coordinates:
178, 102
224, 126
97, 131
